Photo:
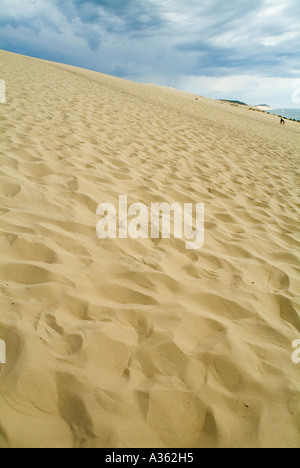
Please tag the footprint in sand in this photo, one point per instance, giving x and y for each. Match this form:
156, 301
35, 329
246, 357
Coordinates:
59, 342
9, 190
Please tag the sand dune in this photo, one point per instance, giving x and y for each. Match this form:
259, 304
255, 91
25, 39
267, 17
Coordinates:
141, 343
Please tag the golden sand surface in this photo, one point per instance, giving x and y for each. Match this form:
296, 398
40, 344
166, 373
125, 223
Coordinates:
142, 343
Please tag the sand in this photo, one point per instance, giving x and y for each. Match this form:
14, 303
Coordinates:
142, 343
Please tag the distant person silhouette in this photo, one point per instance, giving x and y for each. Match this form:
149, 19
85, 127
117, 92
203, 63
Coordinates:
282, 122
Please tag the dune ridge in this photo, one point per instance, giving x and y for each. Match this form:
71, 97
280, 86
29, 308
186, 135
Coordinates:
141, 343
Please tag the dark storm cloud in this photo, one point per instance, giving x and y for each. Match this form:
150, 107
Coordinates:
163, 41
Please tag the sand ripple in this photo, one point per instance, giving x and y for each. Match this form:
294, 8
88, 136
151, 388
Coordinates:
142, 343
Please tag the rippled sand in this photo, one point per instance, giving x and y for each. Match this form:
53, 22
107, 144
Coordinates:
123, 343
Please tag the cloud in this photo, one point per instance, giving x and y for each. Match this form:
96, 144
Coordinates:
171, 42
258, 89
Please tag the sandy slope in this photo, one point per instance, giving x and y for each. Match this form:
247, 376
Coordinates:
124, 343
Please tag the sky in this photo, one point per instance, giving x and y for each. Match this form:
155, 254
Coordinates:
247, 50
